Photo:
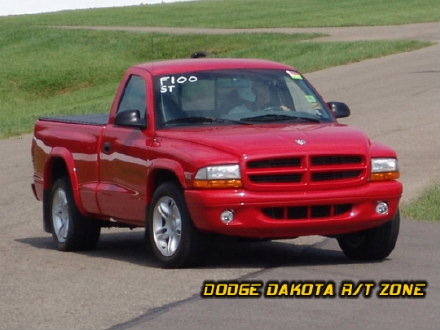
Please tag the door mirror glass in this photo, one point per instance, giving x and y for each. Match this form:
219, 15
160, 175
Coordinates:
339, 109
130, 118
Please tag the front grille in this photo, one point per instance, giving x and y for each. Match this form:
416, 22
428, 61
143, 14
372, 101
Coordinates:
335, 160
276, 178
306, 212
275, 163
306, 170
335, 175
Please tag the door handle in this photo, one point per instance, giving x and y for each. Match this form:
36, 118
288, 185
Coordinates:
107, 147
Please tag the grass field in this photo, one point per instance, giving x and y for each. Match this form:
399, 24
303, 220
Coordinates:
426, 207
252, 13
48, 71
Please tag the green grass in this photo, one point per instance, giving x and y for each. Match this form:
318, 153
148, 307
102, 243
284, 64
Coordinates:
426, 207
48, 71
251, 13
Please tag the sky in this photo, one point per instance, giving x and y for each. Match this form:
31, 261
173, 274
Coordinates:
18, 7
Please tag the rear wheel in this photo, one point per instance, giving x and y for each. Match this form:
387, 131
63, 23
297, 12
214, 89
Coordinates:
372, 244
173, 238
70, 229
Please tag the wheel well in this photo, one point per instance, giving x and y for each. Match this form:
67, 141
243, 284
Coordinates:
156, 179
163, 176
59, 170
56, 169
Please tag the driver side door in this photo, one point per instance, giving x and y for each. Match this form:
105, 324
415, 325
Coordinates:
123, 166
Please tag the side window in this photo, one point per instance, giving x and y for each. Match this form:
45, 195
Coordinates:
134, 97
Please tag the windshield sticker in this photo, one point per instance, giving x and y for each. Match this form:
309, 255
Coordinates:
168, 83
310, 98
294, 75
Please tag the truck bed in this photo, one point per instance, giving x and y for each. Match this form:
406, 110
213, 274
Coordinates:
95, 119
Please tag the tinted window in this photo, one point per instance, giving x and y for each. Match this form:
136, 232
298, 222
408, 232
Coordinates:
134, 97
225, 97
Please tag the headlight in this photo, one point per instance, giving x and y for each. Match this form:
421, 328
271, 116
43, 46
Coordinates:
384, 169
219, 176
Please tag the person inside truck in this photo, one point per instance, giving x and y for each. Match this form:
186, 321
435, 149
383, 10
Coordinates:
259, 97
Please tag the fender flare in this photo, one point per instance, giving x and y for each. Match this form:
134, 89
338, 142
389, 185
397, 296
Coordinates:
61, 153
163, 164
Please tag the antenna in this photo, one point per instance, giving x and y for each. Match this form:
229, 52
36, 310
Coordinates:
199, 54
152, 46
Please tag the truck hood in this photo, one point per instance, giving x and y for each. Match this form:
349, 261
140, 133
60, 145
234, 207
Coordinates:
259, 140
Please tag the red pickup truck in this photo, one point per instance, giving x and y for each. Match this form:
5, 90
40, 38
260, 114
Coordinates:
197, 147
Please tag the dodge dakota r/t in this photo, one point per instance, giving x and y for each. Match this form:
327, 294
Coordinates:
198, 147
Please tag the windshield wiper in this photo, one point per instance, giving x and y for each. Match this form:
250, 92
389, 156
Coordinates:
275, 118
202, 120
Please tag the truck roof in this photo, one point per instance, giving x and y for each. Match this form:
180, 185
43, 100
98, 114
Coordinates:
201, 64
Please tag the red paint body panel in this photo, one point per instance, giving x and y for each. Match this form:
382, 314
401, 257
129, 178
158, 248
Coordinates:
118, 182
250, 220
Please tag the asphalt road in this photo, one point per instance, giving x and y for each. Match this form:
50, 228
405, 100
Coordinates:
396, 99
416, 258
420, 31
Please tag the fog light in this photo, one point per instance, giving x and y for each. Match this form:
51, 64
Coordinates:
382, 208
227, 216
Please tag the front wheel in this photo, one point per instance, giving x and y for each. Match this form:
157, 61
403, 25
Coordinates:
372, 244
174, 239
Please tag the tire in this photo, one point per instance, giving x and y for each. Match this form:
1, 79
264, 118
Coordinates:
71, 231
174, 240
372, 244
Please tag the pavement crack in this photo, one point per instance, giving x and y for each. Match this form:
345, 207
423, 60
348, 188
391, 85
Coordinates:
155, 312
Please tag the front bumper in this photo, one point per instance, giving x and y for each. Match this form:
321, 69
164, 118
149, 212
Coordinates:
272, 214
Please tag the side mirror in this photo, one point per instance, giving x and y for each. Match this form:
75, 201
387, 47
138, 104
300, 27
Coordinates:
130, 118
339, 109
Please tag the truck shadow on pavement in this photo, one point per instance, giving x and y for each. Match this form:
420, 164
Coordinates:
220, 253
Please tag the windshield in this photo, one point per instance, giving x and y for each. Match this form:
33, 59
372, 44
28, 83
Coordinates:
231, 97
